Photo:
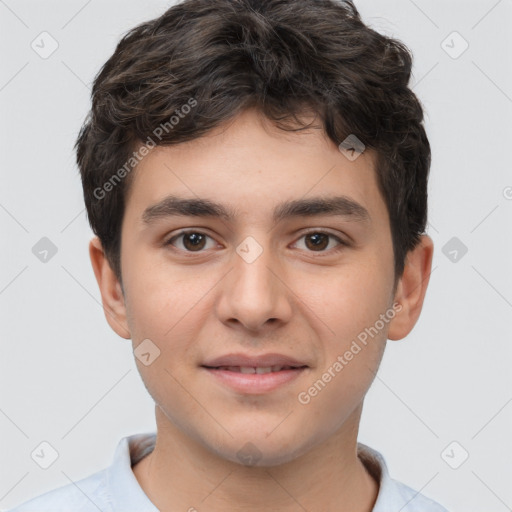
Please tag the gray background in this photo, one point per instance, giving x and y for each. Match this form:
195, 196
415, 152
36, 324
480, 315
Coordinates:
67, 379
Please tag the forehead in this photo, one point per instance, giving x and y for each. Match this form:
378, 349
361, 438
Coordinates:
250, 166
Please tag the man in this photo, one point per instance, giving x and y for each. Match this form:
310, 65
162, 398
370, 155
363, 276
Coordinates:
256, 175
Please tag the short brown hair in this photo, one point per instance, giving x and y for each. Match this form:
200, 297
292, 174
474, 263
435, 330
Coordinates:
284, 57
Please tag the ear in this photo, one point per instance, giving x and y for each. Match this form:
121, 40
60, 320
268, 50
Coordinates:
111, 293
411, 288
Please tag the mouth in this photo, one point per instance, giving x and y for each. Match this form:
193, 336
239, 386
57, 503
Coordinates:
254, 375
260, 370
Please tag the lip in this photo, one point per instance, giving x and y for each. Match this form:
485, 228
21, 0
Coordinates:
263, 360
254, 383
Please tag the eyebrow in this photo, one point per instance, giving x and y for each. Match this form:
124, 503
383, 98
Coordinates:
341, 206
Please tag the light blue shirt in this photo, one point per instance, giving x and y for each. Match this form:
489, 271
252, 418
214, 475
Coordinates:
115, 489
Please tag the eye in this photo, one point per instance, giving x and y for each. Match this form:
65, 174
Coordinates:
192, 241
196, 241
318, 241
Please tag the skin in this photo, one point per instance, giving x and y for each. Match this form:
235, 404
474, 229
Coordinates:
294, 299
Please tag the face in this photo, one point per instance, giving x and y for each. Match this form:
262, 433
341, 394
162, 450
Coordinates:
257, 275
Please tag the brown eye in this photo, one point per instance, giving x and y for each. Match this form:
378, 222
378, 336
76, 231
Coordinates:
192, 241
318, 241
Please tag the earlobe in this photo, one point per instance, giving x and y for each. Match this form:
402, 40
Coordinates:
411, 289
111, 294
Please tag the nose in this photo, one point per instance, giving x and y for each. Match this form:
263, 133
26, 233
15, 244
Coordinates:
255, 294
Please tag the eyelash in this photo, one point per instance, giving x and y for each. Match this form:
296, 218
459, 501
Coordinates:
342, 243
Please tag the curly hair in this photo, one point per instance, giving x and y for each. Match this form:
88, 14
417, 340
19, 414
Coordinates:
211, 59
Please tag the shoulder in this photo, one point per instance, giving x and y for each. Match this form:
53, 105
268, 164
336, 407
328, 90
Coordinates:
411, 500
86, 495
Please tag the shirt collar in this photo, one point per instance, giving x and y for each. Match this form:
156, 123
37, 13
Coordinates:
125, 492
376, 465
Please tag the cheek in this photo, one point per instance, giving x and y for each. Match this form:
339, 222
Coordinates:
345, 301
333, 395
157, 298
353, 338
350, 361
162, 309
170, 311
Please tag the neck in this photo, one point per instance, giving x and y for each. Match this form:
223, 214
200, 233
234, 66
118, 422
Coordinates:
181, 474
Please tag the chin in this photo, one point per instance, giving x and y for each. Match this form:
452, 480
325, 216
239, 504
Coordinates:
261, 450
